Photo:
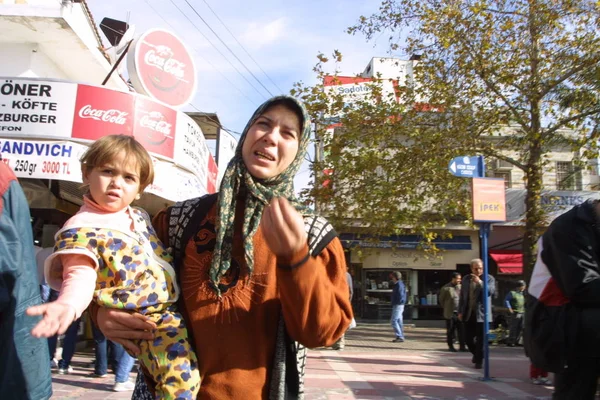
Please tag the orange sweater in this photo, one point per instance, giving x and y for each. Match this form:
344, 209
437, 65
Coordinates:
235, 338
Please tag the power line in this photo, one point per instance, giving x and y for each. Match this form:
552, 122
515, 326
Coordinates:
204, 59
215, 47
243, 48
216, 123
228, 48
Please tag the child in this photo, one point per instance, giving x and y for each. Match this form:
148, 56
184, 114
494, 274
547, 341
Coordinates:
538, 376
109, 252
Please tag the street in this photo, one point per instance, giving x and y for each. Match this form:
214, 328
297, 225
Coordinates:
371, 367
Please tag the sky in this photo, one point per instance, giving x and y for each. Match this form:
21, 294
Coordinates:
283, 37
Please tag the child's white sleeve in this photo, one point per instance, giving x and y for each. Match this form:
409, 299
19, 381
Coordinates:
79, 282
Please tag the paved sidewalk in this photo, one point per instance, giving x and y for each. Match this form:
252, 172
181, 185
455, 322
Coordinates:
371, 367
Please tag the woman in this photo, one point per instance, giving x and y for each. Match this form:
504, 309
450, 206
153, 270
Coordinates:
253, 261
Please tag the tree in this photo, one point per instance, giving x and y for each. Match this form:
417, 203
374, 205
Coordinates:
492, 76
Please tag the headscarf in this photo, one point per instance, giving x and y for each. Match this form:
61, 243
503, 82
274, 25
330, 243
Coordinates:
258, 193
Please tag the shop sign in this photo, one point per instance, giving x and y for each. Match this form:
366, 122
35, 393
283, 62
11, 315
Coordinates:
213, 172
100, 112
87, 113
174, 183
43, 159
226, 145
161, 67
552, 202
354, 89
191, 150
406, 259
36, 108
489, 200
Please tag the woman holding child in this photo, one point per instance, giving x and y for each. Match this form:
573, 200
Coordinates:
256, 258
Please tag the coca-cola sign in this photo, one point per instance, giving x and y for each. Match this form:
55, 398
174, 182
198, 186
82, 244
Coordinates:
100, 112
113, 116
155, 121
161, 67
154, 126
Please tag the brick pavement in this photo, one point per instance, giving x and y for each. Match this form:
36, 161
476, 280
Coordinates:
371, 367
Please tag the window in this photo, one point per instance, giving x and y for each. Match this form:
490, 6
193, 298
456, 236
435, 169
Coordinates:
567, 177
506, 176
502, 164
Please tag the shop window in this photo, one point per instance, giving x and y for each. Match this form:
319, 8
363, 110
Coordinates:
377, 285
506, 175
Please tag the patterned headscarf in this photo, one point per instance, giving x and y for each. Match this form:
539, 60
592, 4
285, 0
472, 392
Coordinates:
258, 193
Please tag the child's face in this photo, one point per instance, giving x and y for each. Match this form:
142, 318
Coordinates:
114, 185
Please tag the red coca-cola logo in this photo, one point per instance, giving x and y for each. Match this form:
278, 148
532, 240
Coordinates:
100, 112
154, 126
161, 67
155, 121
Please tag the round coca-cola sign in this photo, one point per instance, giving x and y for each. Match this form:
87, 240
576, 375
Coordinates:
161, 67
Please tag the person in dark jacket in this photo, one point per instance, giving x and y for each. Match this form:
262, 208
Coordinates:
24, 360
449, 296
398, 302
562, 313
470, 308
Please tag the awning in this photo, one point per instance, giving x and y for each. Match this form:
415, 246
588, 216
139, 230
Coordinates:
405, 242
509, 261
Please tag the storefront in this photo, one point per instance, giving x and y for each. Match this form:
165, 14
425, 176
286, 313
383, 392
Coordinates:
423, 273
46, 125
52, 107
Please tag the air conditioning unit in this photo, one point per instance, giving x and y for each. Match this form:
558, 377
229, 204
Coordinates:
501, 165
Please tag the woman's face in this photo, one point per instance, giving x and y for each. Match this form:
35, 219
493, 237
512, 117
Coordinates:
272, 142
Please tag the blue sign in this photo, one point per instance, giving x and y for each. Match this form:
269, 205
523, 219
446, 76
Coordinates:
467, 167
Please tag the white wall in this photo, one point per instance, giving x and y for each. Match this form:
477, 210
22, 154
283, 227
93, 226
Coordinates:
27, 60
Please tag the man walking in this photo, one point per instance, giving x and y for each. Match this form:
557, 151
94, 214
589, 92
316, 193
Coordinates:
515, 302
562, 327
398, 302
449, 296
470, 309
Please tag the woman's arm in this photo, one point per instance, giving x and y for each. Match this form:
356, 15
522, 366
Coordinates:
313, 290
123, 327
314, 296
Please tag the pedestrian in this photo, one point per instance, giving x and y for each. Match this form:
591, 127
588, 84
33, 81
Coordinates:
538, 376
341, 343
470, 309
122, 361
24, 362
257, 268
562, 313
109, 252
398, 302
515, 302
449, 297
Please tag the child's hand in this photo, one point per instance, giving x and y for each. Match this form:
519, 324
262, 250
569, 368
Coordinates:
56, 318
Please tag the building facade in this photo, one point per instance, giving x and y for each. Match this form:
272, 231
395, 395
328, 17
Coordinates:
567, 181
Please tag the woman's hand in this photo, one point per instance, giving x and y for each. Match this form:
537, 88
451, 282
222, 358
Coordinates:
122, 327
283, 228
